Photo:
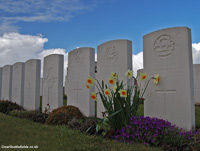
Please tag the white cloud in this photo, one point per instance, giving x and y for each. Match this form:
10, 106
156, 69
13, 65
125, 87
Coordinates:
7, 27
15, 47
137, 62
47, 52
196, 53
42, 10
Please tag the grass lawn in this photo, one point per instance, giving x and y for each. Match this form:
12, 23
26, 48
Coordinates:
14, 131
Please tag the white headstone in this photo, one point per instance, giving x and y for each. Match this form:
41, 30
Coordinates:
0, 81
81, 64
18, 83
32, 84
168, 52
41, 86
113, 56
65, 85
196, 69
6, 83
52, 93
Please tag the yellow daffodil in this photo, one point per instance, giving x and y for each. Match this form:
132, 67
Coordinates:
114, 75
156, 79
111, 80
94, 96
129, 74
123, 93
90, 80
114, 88
143, 76
107, 92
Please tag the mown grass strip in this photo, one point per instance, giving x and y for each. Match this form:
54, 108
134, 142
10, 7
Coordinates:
14, 131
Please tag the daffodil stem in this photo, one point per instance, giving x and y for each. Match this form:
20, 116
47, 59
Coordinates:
146, 87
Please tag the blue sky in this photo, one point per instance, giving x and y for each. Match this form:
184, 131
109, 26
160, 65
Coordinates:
67, 24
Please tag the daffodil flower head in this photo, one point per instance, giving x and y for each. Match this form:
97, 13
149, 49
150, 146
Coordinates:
143, 76
107, 92
94, 96
114, 88
90, 80
129, 74
111, 80
156, 79
123, 93
114, 75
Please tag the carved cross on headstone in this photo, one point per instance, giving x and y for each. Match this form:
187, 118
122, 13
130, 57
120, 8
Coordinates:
166, 91
15, 93
77, 90
29, 90
49, 80
6, 91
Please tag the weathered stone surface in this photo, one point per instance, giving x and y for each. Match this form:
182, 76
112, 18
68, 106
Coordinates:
52, 93
1, 70
168, 52
32, 84
113, 56
6, 83
18, 83
196, 69
81, 64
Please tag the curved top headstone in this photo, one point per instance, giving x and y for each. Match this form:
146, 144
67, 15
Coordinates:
168, 52
18, 83
6, 83
52, 81
81, 64
113, 56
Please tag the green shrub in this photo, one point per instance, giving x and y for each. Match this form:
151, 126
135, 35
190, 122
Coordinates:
74, 123
62, 115
89, 126
35, 116
8, 106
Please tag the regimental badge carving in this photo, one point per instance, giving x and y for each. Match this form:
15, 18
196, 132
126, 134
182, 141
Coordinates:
5, 71
16, 69
50, 79
29, 67
164, 45
111, 53
77, 56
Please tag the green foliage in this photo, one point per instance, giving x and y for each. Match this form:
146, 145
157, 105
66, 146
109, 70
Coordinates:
197, 114
16, 131
89, 126
40, 108
35, 116
119, 109
74, 123
8, 106
64, 96
62, 115
65, 102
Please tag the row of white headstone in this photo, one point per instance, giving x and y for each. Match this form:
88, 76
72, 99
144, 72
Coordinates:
167, 52
20, 82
